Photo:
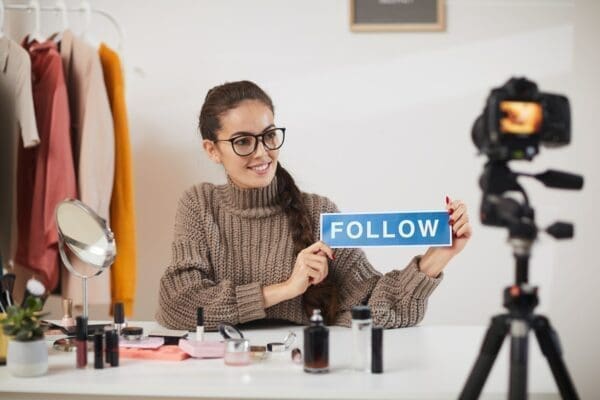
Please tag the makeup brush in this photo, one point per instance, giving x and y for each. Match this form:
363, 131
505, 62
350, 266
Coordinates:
3, 302
34, 288
8, 284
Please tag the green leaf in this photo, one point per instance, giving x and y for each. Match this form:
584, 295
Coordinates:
24, 323
33, 303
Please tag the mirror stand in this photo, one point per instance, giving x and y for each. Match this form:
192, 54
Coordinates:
87, 237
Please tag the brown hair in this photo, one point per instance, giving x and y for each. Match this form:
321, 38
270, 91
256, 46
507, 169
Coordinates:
223, 98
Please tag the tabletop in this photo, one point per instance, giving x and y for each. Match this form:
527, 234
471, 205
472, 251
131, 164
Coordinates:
424, 362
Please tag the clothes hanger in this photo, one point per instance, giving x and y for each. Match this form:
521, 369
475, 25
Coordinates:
86, 8
36, 34
1, 18
62, 8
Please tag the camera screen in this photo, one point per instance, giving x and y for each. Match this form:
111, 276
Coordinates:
520, 117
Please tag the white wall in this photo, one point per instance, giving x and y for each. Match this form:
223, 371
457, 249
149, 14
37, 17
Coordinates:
376, 121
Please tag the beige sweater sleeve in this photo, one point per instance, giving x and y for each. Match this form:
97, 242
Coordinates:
189, 283
397, 299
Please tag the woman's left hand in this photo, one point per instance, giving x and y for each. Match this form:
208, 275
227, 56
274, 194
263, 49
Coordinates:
461, 227
435, 259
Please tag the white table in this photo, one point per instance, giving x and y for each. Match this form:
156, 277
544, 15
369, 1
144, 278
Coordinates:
429, 362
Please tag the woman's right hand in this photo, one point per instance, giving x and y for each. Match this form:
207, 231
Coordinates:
311, 268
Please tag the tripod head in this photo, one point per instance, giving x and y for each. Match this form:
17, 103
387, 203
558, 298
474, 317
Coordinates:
519, 217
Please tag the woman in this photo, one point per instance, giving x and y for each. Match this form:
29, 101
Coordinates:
247, 250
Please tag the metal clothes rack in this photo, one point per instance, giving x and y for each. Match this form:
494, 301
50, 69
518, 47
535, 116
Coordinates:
85, 8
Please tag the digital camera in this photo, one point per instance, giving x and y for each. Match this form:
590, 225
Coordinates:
517, 118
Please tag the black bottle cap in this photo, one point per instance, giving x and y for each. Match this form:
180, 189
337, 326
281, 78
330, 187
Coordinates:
119, 313
82, 329
377, 350
316, 318
361, 312
98, 351
199, 316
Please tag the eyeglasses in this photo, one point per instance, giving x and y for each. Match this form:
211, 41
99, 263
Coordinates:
246, 143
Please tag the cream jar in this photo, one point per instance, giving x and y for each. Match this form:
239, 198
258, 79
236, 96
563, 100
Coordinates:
237, 352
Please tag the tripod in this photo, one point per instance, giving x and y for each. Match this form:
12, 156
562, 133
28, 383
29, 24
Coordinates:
520, 300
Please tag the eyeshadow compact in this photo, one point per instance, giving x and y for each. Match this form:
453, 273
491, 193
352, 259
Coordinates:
171, 336
64, 344
258, 352
278, 347
132, 333
230, 332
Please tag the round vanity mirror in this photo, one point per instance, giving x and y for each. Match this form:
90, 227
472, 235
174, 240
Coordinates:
86, 243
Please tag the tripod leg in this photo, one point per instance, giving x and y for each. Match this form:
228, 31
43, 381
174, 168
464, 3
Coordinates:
487, 355
519, 332
550, 346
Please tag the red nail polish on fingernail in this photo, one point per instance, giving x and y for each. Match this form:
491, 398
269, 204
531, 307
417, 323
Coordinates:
447, 200
451, 211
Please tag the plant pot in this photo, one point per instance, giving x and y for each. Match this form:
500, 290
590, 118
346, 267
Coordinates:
27, 358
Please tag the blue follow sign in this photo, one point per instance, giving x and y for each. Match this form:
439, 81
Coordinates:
412, 228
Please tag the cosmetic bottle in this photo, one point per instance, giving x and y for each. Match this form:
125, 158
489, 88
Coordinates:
199, 324
81, 342
98, 351
67, 319
316, 345
114, 350
362, 325
119, 316
377, 350
108, 345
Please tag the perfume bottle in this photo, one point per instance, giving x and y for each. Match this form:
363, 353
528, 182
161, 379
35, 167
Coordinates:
67, 319
361, 338
316, 345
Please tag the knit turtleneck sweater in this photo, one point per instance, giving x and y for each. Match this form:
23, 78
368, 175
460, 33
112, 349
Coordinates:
229, 243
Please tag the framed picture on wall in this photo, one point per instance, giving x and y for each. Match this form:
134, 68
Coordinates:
397, 15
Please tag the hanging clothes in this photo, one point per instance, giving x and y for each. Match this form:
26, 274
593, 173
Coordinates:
46, 173
93, 146
122, 205
17, 126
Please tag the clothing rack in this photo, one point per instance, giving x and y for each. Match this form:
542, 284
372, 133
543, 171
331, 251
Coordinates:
85, 8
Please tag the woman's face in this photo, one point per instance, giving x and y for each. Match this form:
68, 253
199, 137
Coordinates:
257, 169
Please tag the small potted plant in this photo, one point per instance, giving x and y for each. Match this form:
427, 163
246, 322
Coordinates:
27, 350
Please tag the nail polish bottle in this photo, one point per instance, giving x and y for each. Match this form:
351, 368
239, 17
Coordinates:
316, 345
67, 319
361, 338
81, 342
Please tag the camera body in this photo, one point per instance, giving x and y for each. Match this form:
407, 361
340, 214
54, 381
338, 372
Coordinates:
517, 118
